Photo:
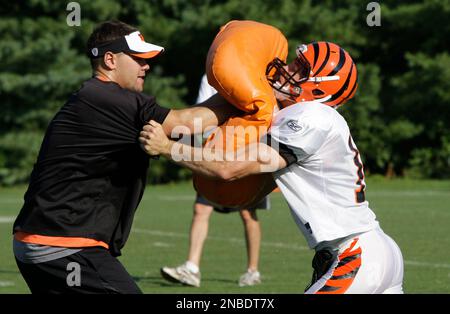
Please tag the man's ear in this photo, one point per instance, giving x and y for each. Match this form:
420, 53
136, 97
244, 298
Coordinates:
109, 60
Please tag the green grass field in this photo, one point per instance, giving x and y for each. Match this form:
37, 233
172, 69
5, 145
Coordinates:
415, 213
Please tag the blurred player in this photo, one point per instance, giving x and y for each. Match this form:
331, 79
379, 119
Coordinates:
189, 273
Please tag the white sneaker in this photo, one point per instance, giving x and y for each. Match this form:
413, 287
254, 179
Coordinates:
250, 278
181, 274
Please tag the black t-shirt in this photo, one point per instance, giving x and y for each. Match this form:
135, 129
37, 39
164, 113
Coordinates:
90, 173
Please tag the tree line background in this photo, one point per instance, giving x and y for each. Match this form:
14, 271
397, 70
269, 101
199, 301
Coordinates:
399, 118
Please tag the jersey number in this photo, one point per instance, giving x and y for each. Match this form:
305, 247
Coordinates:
359, 192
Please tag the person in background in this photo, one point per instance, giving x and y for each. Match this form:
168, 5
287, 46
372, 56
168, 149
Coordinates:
189, 272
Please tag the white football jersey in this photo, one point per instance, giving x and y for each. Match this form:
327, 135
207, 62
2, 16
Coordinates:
205, 90
324, 186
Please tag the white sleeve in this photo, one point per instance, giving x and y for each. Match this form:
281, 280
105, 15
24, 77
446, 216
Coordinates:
302, 135
205, 91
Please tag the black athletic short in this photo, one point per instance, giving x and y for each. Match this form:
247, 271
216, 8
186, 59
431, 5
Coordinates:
263, 204
92, 270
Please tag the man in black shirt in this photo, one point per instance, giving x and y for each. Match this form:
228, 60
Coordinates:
91, 172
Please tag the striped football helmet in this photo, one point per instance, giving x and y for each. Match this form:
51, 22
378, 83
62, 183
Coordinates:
322, 71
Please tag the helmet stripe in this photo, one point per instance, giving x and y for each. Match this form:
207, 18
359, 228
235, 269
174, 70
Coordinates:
341, 62
316, 53
325, 61
353, 88
343, 88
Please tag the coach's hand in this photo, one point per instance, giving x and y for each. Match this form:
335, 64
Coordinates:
153, 139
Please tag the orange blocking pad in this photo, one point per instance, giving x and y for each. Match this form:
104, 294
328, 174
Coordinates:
236, 68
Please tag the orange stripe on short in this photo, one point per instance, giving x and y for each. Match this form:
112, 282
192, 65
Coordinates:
345, 272
338, 286
348, 251
348, 267
73, 242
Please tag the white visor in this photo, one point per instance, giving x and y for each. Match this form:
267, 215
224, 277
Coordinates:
139, 48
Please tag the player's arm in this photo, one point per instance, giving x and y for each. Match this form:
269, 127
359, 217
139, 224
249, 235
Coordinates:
212, 112
255, 158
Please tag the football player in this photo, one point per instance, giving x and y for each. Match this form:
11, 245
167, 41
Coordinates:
317, 167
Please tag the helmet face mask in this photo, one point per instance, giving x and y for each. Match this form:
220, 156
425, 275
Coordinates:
297, 73
322, 71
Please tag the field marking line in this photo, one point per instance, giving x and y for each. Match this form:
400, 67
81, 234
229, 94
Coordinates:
271, 244
408, 193
7, 219
412, 193
233, 240
191, 197
426, 264
6, 283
